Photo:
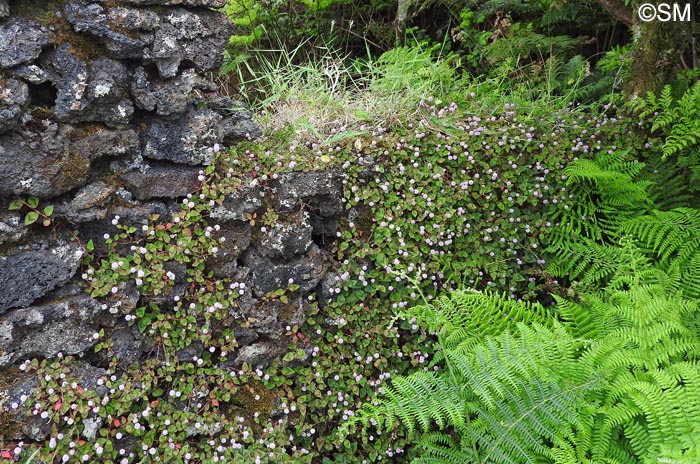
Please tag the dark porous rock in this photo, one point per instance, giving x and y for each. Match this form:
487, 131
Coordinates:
21, 41
89, 204
14, 96
235, 130
166, 300
95, 141
321, 190
244, 303
12, 228
32, 271
96, 91
166, 52
170, 97
30, 73
190, 352
238, 121
237, 236
127, 346
287, 239
205, 3
63, 325
188, 36
106, 27
187, 140
167, 39
139, 214
108, 92
69, 75
239, 204
258, 355
162, 181
245, 336
130, 214
88, 377
271, 318
305, 271
142, 91
204, 35
4, 8
122, 302
37, 160
16, 424
133, 19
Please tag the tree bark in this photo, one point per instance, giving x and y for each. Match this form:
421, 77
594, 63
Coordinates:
659, 49
400, 21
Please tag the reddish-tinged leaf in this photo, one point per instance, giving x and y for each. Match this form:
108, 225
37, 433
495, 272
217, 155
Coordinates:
116, 422
80, 390
6, 454
58, 404
215, 403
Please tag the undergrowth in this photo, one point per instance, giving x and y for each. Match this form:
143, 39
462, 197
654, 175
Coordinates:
610, 374
474, 187
461, 195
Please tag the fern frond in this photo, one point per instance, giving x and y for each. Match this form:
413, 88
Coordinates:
673, 235
618, 383
532, 416
442, 448
471, 314
424, 399
670, 184
585, 259
606, 195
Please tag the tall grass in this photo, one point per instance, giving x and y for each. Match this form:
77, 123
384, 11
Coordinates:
327, 90
318, 93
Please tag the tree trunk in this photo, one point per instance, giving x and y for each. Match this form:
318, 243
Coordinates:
659, 49
400, 21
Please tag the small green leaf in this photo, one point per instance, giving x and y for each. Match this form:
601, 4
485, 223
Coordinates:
15, 204
48, 210
33, 202
90, 246
31, 217
143, 324
46, 222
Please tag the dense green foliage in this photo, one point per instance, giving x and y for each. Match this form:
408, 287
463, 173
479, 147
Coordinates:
617, 382
519, 274
611, 376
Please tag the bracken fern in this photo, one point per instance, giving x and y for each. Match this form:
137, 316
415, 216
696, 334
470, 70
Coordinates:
617, 382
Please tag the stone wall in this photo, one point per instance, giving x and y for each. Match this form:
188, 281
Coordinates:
106, 110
